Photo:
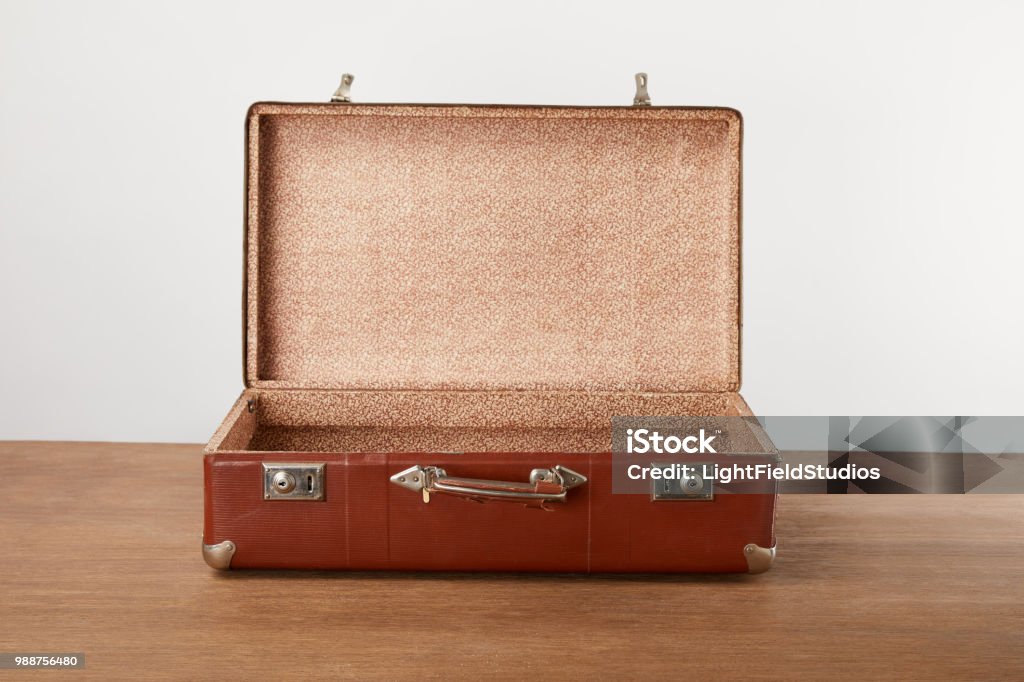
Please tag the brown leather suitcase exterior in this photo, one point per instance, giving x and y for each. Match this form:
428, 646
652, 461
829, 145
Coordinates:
446, 305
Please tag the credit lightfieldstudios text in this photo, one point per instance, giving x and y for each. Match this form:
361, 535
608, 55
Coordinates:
649, 441
727, 473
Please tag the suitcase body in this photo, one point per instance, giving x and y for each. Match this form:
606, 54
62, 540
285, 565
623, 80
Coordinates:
444, 308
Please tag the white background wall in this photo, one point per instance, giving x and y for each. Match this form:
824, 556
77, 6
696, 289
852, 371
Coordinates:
883, 175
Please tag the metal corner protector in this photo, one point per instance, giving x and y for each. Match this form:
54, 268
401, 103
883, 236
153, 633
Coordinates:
759, 559
219, 556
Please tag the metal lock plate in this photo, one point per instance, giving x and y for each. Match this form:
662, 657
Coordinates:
694, 488
288, 481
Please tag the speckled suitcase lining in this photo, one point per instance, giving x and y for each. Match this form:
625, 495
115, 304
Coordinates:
493, 248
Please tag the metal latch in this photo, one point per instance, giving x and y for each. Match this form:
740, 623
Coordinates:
693, 487
292, 481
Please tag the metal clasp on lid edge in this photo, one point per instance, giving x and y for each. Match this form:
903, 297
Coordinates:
641, 99
343, 93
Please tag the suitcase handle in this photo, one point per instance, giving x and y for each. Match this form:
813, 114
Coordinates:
545, 485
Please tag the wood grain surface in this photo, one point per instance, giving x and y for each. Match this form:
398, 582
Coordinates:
100, 554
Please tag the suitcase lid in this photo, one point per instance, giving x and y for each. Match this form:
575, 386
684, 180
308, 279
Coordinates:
401, 247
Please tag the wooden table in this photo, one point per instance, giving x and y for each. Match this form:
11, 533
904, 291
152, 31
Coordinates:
101, 555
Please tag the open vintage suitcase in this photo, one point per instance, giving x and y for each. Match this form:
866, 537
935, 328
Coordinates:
447, 304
